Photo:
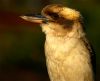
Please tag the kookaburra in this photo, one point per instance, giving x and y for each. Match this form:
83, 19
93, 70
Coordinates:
68, 53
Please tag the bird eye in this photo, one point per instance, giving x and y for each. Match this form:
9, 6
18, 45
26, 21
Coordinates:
53, 15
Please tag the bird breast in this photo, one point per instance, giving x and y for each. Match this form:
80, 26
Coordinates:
67, 59
59, 47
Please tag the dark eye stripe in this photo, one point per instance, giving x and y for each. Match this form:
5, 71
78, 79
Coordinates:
53, 15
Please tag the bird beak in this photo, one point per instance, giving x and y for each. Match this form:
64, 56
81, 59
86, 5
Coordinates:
34, 18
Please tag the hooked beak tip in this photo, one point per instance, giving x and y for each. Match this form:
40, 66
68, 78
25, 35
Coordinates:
23, 17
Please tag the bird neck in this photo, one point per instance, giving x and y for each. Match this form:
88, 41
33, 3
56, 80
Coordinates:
58, 31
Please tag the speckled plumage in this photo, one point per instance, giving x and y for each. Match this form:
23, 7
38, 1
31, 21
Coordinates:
67, 57
68, 53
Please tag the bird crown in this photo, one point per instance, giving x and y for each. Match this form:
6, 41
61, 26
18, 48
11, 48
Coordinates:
62, 11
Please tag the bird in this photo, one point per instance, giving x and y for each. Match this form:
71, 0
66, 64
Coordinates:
69, 55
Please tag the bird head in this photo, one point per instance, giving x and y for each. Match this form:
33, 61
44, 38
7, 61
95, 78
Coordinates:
57, 19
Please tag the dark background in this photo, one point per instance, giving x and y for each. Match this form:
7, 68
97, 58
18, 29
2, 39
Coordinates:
21, 43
